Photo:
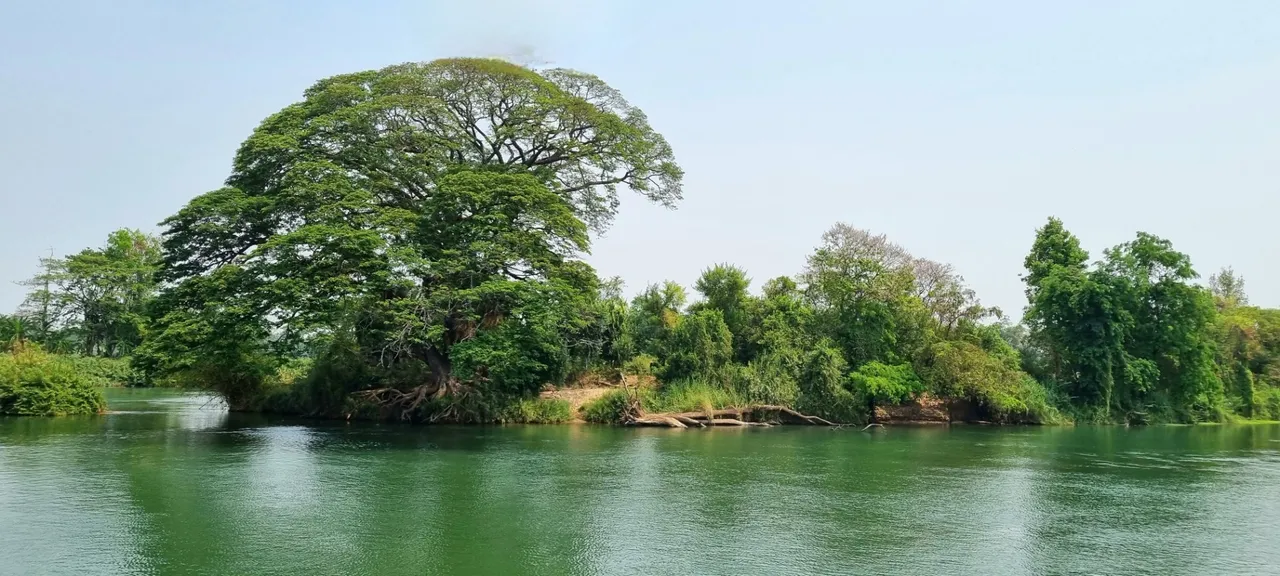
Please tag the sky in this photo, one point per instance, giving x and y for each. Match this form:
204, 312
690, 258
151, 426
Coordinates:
956, 128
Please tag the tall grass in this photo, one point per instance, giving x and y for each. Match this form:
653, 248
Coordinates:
691, 395
538, 411
607, 409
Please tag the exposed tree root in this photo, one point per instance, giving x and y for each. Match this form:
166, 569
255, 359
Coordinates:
404, 403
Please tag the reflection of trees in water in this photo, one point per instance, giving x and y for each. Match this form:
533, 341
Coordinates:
63, 504
1159, 499
154, 493
358, 499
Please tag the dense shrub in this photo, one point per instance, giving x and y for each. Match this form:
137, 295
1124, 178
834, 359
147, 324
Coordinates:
767, 380
106, 372
964, 370
699, 346
641, 365
822, 391
886, 383
33, 382
1267, 403
690, 396
607, 409
539, 411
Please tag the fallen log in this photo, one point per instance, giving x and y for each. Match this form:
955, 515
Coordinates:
712, 414
762, 416
814, 420
658, 420
690, 422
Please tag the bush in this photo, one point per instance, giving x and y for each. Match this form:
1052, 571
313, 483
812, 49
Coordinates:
885, 383
964, 370
288, 389
607, 409
641, 365
690, 396
107, 372
1267, 402
822, 391
699, 346
768, 379
539, 411
36, 383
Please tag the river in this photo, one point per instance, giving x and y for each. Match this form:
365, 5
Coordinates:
172, 484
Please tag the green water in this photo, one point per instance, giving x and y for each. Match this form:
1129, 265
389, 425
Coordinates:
171, 484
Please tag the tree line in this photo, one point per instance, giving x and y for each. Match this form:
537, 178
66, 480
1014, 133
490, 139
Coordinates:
407, 243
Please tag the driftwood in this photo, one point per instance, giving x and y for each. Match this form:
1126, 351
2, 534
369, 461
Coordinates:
658, 420
763, 415
814, 420
690, 422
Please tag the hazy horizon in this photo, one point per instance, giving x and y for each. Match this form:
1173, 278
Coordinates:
956, 132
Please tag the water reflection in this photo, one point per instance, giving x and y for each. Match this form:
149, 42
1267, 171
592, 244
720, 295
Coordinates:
171, 484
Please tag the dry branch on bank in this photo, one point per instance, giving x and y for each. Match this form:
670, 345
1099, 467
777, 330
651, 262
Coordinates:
749, 416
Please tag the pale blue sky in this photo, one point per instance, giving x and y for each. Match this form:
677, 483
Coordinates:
954, 127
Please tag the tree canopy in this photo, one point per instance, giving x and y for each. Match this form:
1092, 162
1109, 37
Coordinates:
408, 243
94, 302
425, 219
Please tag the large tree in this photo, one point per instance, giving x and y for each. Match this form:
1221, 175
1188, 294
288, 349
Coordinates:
426, 217
1130, 336
95, 300
858, 283
724, 288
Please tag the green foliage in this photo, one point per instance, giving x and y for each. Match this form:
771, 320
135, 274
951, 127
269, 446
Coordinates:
1227, 288
36, 383
601, 339
700, 346
678, 396
94, 302
868, 302
407, 243
1248, 356
771, 378
959, 369
691, 395
539, 411
14, 332
429, 216
724, 289
1266, 404
654, 314
886, 384
1130, 339
823, 375
641, 365
610, 408
106, 372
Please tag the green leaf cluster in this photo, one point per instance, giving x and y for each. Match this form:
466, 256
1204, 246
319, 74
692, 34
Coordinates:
416, 229
36, 383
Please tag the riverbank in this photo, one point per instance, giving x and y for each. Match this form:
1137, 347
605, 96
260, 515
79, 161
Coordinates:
645, 405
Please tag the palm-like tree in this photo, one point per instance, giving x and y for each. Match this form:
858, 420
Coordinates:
13, 331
